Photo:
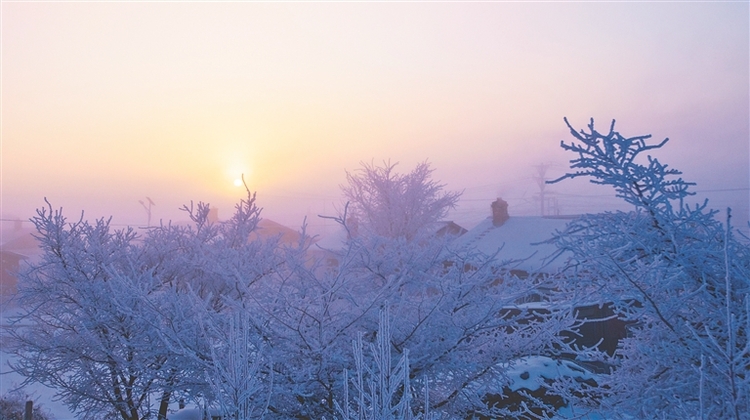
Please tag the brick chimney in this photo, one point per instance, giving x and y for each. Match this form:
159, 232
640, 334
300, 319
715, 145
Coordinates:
499, 212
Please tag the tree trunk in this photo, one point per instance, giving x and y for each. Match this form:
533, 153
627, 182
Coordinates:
164, 405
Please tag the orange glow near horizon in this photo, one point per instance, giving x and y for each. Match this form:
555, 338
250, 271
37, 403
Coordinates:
106, 103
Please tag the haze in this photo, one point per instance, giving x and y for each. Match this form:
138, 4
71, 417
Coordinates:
105, 104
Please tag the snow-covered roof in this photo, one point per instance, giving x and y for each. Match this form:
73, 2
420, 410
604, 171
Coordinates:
336, 240
191, 413
268, 228
519, 238
21, 242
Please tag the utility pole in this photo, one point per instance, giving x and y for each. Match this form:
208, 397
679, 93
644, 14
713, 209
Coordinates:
148, 209
539, 177
547, 205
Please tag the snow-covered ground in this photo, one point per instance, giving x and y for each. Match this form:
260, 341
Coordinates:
41, 395
44, 396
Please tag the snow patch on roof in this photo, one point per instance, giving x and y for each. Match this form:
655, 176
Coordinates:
530, 372
519, 238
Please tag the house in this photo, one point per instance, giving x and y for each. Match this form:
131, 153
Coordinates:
524, 242
449, 228
9, 265
19, 246
267, 228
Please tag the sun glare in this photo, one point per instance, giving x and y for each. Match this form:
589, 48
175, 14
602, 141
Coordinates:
238, 182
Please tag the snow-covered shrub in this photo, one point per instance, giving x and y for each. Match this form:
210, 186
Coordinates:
240, 372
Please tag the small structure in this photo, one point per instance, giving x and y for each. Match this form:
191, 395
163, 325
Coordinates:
499, 212
267, 228
20, 245
450, 229
9, 264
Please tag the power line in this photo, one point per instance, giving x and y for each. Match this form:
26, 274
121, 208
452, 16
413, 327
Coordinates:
724, 190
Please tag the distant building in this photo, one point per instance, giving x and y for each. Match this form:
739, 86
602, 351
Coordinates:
449, 228
9, 265
267, 228
525, 243
20, 245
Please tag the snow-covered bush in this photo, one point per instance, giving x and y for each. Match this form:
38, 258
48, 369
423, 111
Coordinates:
240, 371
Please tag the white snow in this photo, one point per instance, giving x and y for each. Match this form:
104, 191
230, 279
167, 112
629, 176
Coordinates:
40, 394
519, 238
530, 372
191, 413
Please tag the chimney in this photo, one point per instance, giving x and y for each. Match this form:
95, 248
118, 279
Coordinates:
499, 212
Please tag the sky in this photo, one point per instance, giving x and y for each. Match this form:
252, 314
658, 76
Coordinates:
107, 103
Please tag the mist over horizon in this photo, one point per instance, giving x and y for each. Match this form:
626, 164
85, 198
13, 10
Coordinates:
106, 104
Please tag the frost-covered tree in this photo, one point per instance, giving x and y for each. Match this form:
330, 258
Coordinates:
110, 319
121, 323
205, 270
450, 308
84, 327
390, 204
674, 272
209, 258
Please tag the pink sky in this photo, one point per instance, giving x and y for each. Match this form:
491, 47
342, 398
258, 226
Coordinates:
104, 104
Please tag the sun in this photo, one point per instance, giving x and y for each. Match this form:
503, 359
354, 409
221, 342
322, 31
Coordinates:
238, 182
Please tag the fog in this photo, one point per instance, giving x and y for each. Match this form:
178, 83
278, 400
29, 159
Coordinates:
106, 104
